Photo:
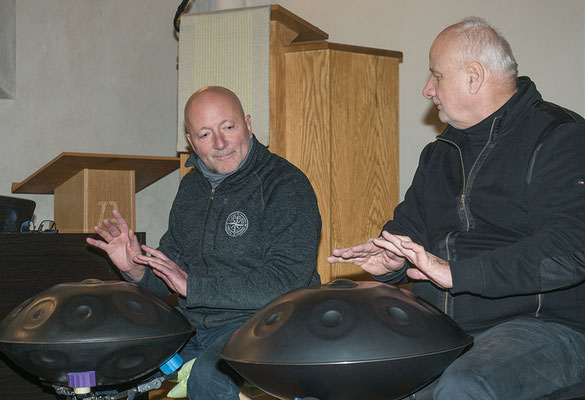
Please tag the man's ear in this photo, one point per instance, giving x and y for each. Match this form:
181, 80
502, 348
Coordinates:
189, 139
248, 120
475, 75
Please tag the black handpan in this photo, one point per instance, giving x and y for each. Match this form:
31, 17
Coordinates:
116, 330
345, 340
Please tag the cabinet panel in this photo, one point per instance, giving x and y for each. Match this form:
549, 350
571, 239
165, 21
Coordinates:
306, 132
364, 154
341, 130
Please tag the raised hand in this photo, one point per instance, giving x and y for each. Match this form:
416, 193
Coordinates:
428, 266
371, 256
166, 269
121, 245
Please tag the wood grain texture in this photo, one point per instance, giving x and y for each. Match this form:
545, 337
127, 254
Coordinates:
90, 196
307, 133
322, 45
364, 156
304, 31
148, 169
184, 170
341, 130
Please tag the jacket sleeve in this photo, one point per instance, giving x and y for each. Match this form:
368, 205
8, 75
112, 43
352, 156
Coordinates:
553, 255
409, 217
167, 244
290, 239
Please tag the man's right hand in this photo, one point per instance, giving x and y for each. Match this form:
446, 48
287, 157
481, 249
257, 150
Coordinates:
370, 256
121, 245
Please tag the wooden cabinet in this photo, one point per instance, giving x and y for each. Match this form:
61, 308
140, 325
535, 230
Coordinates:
341, 128
334, 114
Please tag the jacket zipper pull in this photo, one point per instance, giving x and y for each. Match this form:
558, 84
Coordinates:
212, 192
462, 203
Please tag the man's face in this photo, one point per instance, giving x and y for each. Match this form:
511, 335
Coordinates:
218, 132
447, 86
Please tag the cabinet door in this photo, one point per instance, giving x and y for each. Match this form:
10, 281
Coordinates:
364, 150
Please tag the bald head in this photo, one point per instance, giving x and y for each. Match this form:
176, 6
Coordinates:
217, 128
475, 40
213, 93
473, 73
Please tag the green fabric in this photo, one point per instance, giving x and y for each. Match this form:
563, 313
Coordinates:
180, 389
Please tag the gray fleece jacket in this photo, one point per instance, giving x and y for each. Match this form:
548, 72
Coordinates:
252, 238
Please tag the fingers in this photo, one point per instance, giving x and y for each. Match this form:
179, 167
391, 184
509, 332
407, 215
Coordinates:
389, 245
155, 253
120, 220
97, 243
107, 236
360, 250
165, 279
133, 243
172, 275
402, 245
162, 264
152, 261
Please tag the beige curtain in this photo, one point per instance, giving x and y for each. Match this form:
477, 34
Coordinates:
228, 48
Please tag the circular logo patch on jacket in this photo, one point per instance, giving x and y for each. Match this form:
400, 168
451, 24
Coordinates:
236, 224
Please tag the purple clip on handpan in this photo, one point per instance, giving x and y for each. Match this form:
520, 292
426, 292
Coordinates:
92, 333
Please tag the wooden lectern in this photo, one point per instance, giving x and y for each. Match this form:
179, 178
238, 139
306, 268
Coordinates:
87, 187
334, 114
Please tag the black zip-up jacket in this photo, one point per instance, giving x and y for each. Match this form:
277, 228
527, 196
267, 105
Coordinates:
510, 221
251, 239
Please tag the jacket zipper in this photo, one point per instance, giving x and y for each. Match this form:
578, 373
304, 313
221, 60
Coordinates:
207, 217
464, 185
217, 223
445, 310
462, 205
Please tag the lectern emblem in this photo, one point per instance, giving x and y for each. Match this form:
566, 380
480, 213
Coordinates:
103, 205
236, 224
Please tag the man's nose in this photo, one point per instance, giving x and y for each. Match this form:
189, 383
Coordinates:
219, 141
429, 89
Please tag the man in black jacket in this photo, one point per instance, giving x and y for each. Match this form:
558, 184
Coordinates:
244, 228
492, 230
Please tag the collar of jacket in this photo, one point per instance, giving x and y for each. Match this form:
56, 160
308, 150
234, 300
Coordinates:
509, 114
255, 158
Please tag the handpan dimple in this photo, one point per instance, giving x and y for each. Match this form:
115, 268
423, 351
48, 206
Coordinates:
345, 340
117, 329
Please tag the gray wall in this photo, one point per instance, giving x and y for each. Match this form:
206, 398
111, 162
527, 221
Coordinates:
7, 49
93, 76
99, 76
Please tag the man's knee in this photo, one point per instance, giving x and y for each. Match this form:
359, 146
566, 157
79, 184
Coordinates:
212, 379
459, 383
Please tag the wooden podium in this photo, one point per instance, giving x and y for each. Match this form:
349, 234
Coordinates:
334, 114
87, 187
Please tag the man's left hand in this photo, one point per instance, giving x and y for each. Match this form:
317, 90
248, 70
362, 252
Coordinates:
164, 268
428, 266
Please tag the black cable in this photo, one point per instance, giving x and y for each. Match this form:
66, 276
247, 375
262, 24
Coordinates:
180, 11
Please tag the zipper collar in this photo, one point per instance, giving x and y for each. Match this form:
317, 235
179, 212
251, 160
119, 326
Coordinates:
256, 156
467, 178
